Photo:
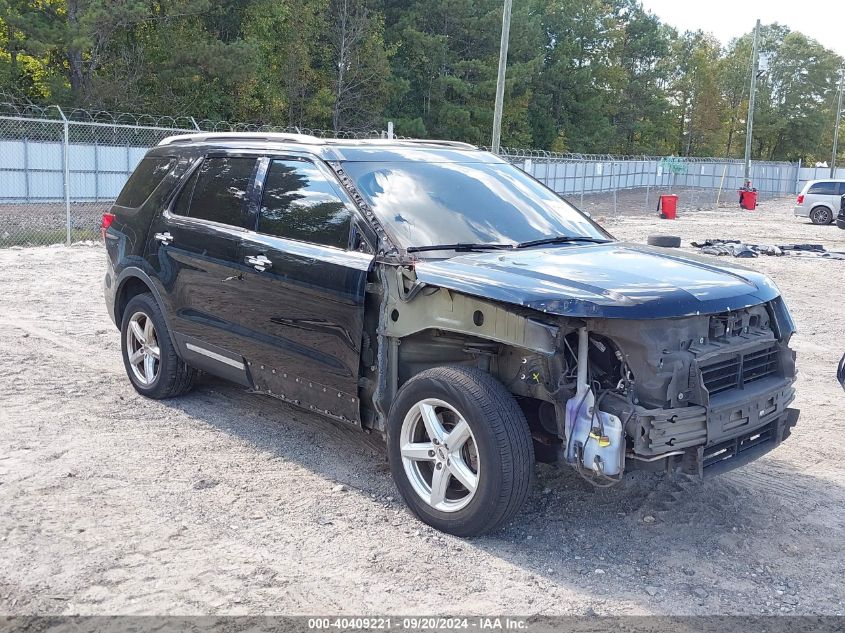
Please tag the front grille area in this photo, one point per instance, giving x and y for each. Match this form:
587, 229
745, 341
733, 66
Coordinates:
735, 370
731, 449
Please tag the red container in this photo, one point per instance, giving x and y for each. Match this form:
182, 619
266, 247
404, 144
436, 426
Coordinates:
668, 206
747, 199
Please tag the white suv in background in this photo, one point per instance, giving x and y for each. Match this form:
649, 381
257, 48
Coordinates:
819, 200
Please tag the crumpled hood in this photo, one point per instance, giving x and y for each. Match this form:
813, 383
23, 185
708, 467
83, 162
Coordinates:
614, 280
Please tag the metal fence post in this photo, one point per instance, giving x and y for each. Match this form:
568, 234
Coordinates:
26, 167
583, 179
612, 165
66, 170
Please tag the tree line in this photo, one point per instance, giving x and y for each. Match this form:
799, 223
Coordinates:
592, 76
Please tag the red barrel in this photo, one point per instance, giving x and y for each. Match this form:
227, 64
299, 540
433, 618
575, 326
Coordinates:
668, 206
748, 199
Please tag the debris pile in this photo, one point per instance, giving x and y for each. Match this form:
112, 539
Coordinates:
736, 248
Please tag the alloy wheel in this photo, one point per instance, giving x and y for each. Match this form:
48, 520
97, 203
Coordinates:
822, 216
142, 349
440, 455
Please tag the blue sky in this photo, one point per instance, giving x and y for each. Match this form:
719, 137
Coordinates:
823, 20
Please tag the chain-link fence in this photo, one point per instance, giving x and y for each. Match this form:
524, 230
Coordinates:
619, 184
60, 171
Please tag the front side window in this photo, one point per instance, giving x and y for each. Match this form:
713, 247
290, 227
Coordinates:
147, 176
824, 188
430, 203
300, 203
217, 190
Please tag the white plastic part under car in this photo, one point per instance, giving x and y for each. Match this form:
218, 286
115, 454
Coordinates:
596, 440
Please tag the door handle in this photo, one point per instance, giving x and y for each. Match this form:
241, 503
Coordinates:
259, 262
165, 238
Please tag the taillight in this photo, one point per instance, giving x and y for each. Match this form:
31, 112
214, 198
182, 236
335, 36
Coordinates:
108, 218
801, 199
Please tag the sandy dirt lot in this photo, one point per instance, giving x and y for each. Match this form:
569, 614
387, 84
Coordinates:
227, 503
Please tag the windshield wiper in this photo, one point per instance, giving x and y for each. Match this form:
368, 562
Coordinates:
562, 239
460, 246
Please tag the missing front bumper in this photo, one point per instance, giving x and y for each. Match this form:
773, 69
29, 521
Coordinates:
707, 461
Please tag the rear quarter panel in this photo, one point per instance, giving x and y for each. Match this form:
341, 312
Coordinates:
126, 239
815, 200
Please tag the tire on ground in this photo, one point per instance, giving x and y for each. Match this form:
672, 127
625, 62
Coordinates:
174, 377
666, 241
502, 438
821, 215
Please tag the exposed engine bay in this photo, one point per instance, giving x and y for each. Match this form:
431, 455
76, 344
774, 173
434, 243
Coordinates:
695, 394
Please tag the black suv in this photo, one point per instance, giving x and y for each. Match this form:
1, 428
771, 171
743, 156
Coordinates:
434, 293
840, 219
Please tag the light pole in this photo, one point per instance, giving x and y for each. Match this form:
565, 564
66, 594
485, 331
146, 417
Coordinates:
750, 122
838, 119
500, 80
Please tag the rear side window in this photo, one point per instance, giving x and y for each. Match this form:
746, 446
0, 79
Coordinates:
146, 177
825, 189
217, 190
183, 204
300, 203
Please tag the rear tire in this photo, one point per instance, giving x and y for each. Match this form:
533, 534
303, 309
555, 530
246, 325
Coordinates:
483, 477
151, 362
821, 215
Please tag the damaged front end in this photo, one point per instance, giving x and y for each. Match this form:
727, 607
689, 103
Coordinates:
697, 395
638, 375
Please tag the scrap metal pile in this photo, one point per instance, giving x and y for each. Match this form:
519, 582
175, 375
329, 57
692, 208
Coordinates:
736, 248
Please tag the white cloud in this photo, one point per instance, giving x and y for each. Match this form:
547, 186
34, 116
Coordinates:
821, 20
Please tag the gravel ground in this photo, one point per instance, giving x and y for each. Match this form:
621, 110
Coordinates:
41, 223
223, 502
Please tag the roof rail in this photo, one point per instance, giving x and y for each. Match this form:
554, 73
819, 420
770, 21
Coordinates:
400, 141
241, 136
201, 137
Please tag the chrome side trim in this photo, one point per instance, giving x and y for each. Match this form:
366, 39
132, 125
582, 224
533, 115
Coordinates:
214, 355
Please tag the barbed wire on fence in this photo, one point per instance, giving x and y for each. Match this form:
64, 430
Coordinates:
547, 155
184, 123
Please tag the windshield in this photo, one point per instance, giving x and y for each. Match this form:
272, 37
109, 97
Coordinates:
426, 204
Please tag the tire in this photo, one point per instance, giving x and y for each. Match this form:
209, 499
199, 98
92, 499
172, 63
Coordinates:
169, 375
499, 440
840, 373
821, 215
666, 241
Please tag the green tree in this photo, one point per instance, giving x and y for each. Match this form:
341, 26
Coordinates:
583, 75
700, 105
359, 63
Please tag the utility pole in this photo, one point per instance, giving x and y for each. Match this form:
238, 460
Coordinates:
750, 123
838, 119
500, 80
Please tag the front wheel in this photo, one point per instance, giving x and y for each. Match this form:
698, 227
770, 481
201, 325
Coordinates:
460, 450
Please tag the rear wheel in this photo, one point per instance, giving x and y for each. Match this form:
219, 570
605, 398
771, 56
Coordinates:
821, 215
151, 362
460, 450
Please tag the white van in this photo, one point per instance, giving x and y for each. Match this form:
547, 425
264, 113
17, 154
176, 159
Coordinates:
819, 200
